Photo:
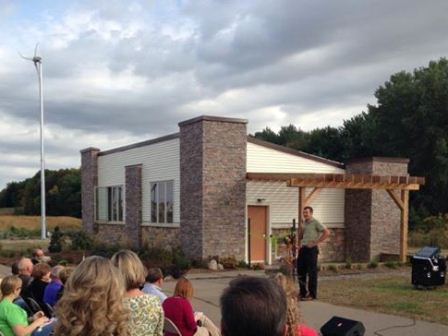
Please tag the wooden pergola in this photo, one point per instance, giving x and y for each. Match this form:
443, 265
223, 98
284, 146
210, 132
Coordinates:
397, 187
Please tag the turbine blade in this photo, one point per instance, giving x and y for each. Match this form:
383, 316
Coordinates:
36, 49
26, 58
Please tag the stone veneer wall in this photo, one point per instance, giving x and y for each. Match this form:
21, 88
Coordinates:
332, 250
133, 203
167, 238
213, 186
89, 180
112, 234
372, 220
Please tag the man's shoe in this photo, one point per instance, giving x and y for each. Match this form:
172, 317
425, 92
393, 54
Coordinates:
308, 298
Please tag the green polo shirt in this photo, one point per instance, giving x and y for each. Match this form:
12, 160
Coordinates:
10, 316
312, 231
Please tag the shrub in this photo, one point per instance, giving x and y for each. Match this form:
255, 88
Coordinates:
243, 264
391, 264
180, 260
372, 264
81, 240
333, 268
56, 241
105, 250
229, 262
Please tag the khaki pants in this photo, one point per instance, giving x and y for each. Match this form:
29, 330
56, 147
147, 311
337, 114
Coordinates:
208, 328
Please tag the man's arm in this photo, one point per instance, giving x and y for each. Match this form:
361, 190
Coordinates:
325, 234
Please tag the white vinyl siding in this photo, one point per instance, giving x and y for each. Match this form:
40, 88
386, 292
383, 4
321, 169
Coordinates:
261, 159
160, 162
283, 200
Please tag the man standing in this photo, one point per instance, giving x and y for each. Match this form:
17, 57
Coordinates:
313, 234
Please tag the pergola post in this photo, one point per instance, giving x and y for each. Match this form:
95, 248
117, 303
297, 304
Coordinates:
404, 225
300, 209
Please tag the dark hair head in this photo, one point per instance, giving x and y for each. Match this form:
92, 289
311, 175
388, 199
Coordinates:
308, 208
40, 270
15, 268
253, 307
154, 275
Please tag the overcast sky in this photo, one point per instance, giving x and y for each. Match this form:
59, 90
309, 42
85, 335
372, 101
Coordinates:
118, 72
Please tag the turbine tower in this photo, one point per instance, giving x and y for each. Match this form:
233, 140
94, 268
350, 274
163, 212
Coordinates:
37, 60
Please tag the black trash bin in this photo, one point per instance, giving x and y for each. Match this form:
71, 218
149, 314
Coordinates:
428, 268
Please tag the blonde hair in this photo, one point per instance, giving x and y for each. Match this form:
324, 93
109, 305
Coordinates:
92, 303
293, 313
184, 288
131, 267
9, 284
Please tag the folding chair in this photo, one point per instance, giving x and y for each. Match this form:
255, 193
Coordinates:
35, 307
49, 310
170, 327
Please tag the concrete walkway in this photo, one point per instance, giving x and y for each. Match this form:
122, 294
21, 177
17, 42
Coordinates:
208, 288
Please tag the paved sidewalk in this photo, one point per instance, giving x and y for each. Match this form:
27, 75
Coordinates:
208, 288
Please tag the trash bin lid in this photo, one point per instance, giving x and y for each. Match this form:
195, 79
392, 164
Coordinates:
428, 252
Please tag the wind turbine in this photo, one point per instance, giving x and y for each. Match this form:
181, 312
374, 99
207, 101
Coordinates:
37, 60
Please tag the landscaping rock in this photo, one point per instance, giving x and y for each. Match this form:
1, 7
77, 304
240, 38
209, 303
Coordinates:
213, 265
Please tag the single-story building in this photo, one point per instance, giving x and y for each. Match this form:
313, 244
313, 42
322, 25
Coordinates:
196, 189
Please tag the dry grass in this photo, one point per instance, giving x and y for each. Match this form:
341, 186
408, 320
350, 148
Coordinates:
33, 222
391, 295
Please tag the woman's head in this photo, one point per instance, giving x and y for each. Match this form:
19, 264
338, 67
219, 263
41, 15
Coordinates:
41, 271
293, 314
131, 267
184, 288
11, 284
92, 303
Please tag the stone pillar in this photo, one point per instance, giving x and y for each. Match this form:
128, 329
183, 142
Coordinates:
213, 186
133, 202
89, 180
372, 219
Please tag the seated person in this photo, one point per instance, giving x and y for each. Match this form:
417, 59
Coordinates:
13, 319
293, 317
253, 306
64, 275
25, 267
146, 314
92, 303
41, 278
154, 282
53, 288
38, 256
179, 310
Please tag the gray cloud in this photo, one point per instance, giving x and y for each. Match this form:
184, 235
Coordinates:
127, 71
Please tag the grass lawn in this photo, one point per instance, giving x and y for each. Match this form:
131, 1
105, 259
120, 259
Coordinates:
392, 295
33, 222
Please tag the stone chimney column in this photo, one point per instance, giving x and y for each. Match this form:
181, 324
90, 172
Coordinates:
89, 180
213, 186
133, 201
372, 219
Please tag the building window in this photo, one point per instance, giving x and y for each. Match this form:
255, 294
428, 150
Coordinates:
109, 204
162, 202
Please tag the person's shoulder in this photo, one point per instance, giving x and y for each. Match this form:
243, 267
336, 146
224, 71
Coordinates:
305, 330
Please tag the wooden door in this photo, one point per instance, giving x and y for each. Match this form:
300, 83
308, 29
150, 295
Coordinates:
258, 233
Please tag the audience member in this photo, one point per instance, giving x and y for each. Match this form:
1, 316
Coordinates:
41, 278
38, 256
53, 288
15, 268
13, 319
295, 328
154, 282
25, 270
146, 314
92, 303
179, 310
253, 306
64, 275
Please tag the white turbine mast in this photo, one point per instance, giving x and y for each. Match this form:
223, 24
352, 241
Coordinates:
37, 60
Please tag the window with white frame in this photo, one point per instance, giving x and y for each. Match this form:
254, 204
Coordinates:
109, 204
162, 202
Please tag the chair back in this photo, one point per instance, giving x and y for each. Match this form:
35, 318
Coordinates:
49, 310
170, 327
35, 307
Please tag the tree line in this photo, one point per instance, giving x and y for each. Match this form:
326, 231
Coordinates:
63, 193
410, 120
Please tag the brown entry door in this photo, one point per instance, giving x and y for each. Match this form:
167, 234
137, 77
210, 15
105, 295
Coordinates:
258, 234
